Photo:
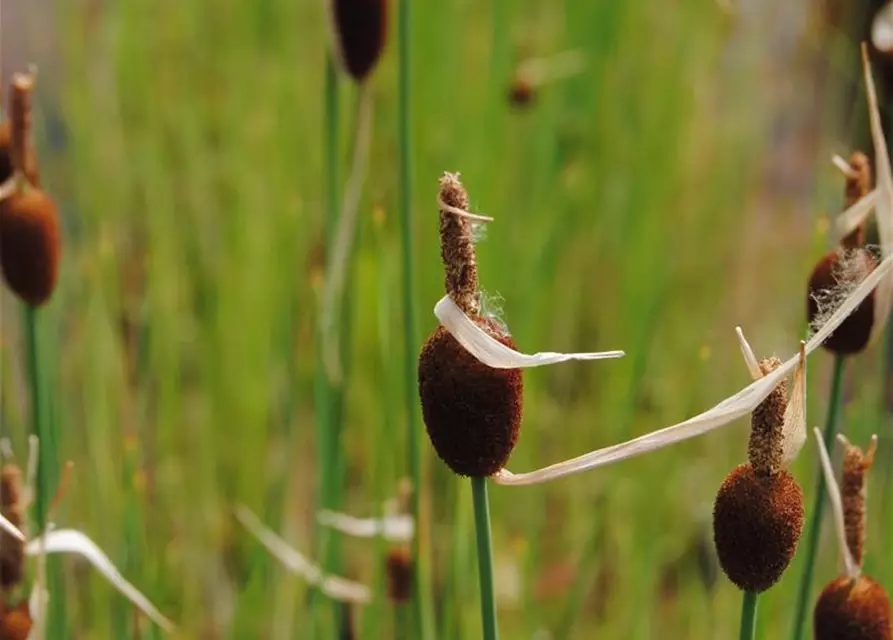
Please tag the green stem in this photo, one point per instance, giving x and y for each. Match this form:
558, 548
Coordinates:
421, 609
46, 459
485, 558
815, 522
748, 616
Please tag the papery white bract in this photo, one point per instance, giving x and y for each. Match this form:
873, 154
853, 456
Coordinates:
333, 586
724, 413
393, 528
492, 352
75, 542
833, 490
794, 427
855, 215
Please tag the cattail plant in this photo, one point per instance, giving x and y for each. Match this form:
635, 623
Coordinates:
847, 265
852, 605
359, 34
17, 547
469, 376
29, 221
335, 587
534, 73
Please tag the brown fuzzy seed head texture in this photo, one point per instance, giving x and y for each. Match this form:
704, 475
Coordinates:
15, 623
398, 568
852, 489
457, 247
757, 521
858, 185
12, 550
361, 30
472, 412
852, 609
765, 450
29, 245
853, 334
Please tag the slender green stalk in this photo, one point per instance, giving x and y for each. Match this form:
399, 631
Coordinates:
421, 609
325, 396
485, 557
748, 616
47, 460
815, 521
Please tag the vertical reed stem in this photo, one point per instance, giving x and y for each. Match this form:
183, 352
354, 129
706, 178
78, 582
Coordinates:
748, 616
815, 521
485, 558
421, 610
46, 460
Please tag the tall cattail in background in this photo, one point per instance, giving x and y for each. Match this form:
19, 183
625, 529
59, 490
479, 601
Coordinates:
359, 31
853, 605
29, 221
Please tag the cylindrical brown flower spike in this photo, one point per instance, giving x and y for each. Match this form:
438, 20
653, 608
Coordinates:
360, 33
398, 569
15, 623
12, 550
853, 605
29, 221
758, 513
472, 412
850, 262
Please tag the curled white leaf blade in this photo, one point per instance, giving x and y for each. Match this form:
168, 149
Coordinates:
393, 528
882, 29
333, 586
724, 413
11, 529
75, 542
852, 569
856, 214
845, 168
794, 427
883, 300
492, 352
753, 365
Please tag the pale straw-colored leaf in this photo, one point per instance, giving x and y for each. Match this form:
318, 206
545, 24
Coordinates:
393, 528
492, 352
333, 586
724, 413
883, 299
11, 529
845, 167
856, 214
882, 29
37, 603
794, 428
833, 490
75, 542
753, 365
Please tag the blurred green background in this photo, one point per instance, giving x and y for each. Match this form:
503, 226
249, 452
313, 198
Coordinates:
679, 186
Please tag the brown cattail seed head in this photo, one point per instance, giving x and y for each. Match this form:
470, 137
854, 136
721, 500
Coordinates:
852, 489
521, 93
399, 575
360, 32
457, 247
834, 268
15, 623
29, 244
852, 609
859, 184
472, 412
757, 521
12, 550
765, 449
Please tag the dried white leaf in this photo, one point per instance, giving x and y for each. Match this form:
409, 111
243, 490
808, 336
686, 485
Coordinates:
883, 299
333, 586
393, 528
852, 569
794, 428
492, 352
73, 541
753, 365
882, 29
856, 214
724, 413
11, 529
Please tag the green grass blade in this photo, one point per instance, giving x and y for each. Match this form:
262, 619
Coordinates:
485, 558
